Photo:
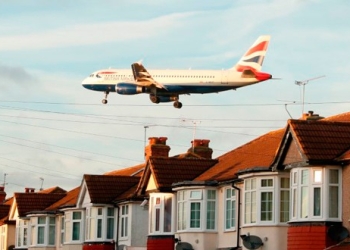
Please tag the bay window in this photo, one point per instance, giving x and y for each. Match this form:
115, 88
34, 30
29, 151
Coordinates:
196, 210
100, 224
315, 194
124, 221
266, 200
43, 230
161, 213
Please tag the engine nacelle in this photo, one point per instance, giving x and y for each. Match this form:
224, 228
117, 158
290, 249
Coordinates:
129, 89
158, 99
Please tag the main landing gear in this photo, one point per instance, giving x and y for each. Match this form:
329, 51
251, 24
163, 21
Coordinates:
104, 101
177, 104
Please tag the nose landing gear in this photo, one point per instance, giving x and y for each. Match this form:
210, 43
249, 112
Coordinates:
104, 101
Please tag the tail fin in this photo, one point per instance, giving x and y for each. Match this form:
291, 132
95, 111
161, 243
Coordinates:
254, 57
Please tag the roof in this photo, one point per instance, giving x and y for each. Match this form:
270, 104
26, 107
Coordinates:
257, 153
343, 117
53, 190
130, 171
105, 188
167, 171
321, 140
69, 200
29, 202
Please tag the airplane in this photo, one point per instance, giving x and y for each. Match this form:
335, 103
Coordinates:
168, 85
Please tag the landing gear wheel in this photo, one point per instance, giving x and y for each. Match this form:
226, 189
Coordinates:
154, 98
104, 101
177, 105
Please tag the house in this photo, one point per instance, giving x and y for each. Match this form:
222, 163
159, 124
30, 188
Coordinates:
287, 189
7, 228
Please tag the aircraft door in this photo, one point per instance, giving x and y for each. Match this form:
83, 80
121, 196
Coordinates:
224, 76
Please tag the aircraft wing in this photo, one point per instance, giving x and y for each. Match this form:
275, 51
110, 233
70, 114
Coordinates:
142, 77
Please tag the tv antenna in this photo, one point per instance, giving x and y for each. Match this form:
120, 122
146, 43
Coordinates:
42, 182
303, 83
194, 130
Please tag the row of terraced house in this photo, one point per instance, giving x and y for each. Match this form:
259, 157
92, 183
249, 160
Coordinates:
287, 189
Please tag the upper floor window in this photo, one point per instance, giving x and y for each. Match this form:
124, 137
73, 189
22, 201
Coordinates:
161, 213
266, 200
196, 209
315, 194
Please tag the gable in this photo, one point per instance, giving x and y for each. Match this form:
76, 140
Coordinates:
293, 155
151, 185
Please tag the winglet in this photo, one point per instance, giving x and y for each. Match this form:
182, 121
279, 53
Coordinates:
254, 57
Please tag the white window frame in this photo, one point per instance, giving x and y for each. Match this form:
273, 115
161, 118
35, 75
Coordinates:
45, 228
69, 222
196, 198
253, 203
124, 222
318, 198
161, 214
96, 223
22, 233
230, 212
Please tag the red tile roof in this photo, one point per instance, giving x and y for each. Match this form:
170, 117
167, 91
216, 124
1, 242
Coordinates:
344, 117
130, 171
53, 190
172, 170
257, 153
69, 200
321, 140
105, 188
29, 202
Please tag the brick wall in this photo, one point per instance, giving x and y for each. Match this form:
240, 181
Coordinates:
308, 236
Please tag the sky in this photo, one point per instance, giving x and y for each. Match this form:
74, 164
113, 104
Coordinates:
53, 131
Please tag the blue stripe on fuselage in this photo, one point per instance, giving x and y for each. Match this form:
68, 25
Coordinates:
169, 89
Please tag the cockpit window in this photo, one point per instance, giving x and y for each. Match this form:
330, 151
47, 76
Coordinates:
92, 75
98, 76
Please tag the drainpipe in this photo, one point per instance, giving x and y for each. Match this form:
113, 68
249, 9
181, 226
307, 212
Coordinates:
117, 231
238, 213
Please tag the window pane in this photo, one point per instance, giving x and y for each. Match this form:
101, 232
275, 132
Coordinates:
167, 214
266, 206
76, 215
195, 215
318, 176
305, 176
110, 211
52, 235
228, 214
304, 202
284, 182
196, 194
41, 235
41, 220
110, 228
211, 215
266, 183
317, 201
99, 228
333, 176
294, 203
157, 219
76, 231
284, 206
333, 201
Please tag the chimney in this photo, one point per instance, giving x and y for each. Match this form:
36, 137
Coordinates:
2, 194
29, 190
157, 147
201, 148
310, 116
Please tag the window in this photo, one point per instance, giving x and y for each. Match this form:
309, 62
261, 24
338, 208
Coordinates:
196, 210
62, 230
284, 200
315, 194
22, 233
99, 223
266, 200
43, 230
110, 223
124, 221
161, 213
250, 201
230, 208
73, 226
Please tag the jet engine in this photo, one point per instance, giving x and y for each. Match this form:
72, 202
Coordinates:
129, 89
